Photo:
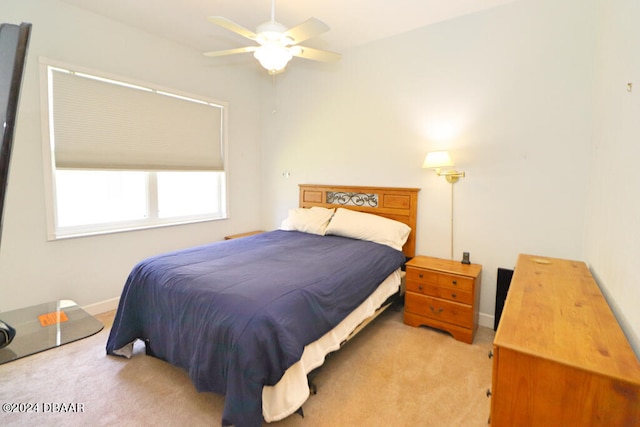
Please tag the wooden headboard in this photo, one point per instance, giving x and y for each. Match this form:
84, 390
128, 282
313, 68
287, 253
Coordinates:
400, 204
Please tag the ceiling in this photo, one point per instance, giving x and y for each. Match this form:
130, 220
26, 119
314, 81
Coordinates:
353, 22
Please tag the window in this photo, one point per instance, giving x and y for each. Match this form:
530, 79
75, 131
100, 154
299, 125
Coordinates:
124, 155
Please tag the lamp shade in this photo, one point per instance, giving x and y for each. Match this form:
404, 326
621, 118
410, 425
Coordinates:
437, 160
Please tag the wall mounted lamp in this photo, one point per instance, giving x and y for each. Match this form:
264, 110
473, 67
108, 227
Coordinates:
437, 160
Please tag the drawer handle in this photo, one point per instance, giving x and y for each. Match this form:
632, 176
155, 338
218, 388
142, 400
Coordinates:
455, 282
434, 311
420, 275
420, 287
490, 354
488, 392
453, 295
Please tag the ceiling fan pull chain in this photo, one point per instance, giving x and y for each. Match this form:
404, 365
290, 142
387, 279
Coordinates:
275, 94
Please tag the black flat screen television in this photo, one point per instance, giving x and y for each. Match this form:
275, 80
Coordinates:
14, 40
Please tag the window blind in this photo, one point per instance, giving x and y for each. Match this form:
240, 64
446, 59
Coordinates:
103, 124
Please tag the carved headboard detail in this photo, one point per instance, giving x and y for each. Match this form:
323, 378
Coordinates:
400, 204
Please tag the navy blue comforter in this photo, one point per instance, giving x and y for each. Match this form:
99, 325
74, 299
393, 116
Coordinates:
236, 314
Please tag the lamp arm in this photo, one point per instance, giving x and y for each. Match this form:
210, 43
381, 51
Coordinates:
450, 173
452, 176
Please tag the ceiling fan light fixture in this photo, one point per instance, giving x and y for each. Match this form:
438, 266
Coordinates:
273, 57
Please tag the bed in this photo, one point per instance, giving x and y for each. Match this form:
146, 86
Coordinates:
249, 318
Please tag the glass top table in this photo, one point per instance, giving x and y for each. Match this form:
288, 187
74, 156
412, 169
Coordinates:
45, 326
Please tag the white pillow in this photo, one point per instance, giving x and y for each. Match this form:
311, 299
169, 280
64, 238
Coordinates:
364, 226
313, 220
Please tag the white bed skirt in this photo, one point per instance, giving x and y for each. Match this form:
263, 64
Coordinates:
288, 395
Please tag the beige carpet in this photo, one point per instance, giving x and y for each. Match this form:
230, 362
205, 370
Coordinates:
389, 375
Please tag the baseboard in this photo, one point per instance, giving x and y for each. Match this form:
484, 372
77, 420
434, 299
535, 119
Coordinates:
102, 307
486, 320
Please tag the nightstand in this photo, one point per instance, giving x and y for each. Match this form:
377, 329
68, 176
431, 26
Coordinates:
237, 236
444, 295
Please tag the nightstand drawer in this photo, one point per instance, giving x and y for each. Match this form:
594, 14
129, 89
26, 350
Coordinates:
421, 287
425, 288
422, 276
457, 282
435, 308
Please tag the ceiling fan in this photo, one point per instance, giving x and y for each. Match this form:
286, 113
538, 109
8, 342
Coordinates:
277, 44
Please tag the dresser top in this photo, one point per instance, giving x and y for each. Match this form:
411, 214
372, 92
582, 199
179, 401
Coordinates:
445, 265
555, 310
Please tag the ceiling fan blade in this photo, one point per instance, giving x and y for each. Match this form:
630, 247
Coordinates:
232, 26
231, 51
309, 28
315, 54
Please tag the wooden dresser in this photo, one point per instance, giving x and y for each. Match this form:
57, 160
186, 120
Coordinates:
560, 357
443, 294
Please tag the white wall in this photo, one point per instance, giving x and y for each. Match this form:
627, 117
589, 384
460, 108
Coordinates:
508, 91
93, 269
613, 228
